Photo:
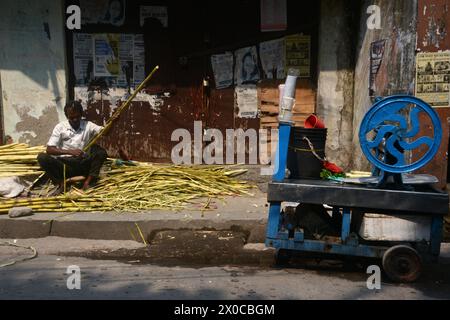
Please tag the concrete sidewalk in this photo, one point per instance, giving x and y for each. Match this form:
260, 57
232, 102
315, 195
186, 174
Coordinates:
247, 214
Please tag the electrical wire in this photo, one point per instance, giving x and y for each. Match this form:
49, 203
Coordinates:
35, 254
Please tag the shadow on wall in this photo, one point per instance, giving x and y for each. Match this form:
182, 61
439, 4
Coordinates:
32, 67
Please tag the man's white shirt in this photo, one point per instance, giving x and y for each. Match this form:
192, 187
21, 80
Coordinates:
67, 138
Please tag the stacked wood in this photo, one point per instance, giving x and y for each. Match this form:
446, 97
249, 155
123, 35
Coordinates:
268, 104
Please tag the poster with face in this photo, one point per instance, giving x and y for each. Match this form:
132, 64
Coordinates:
103, 11
246, 69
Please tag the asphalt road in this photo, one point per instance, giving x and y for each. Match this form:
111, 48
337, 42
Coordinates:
45, 277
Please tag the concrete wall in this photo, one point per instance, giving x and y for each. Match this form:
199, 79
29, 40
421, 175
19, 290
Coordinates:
335, 81
397, 71
32, 68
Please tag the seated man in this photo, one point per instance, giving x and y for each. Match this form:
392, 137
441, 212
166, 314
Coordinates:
66, 146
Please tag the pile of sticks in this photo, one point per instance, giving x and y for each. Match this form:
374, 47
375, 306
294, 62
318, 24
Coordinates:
142, 186
19, 159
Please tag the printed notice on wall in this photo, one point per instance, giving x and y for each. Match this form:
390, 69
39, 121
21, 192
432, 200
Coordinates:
376, 57
433, 78
273, 15
246, 101
83, 58
222, 66
126, 60
106, 53
139, 59
156, 12
272, 58
118, 59
103, 12
298, 53
246, 68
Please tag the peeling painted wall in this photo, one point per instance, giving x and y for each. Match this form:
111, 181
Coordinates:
433, 32
32, 68
335, 82
397, 71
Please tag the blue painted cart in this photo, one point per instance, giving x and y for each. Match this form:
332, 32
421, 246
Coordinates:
402, 261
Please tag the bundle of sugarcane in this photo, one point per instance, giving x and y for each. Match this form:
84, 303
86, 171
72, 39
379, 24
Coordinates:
19, 159
147, 187
142, 187
64, 203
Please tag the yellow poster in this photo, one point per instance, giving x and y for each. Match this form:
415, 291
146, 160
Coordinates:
106, 55
433, 78
298, 55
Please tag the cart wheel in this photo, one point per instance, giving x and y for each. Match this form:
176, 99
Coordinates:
282, 257
402, 263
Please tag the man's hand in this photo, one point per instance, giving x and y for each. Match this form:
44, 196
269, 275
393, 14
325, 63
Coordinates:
58, 152
76, 152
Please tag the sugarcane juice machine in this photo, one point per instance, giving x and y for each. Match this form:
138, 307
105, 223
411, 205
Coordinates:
388, 131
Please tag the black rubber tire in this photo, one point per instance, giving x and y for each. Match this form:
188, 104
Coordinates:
282, 257
402, 263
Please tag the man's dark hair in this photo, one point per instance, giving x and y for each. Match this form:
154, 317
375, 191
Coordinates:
73, 105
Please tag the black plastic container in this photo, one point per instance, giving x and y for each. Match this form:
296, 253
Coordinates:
301, 162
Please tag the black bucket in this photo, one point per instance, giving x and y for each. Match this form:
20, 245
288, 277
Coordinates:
301, 162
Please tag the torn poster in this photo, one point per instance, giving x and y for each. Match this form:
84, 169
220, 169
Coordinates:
246, 101
125, 78
129, 67
273, 15
103, 11
246, 68
139, 59
106, 53
298, 52
222, 66
376, 57
272, 58
83, 58
433, 78
156, 12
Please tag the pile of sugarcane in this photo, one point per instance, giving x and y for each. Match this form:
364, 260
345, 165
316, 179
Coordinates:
141, 186
19, 159
147, 187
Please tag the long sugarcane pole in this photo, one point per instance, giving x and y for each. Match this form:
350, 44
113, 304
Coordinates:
110, 121
119, 110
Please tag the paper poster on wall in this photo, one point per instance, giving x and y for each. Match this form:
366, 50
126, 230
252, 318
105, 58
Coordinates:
273, 15
157, 12
118, 59
106, 55
271, 54
298, 53
376, 57
103, 12
126, 60
433, 78
222, 66
139, 59
246, 69
83, 58
246, 101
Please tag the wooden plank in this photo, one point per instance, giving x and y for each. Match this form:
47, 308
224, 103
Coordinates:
272, 94
271, 125
268, 119
305, 109
301, 100
269, 108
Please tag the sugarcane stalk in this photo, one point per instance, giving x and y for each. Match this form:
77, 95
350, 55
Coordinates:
119, 110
